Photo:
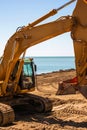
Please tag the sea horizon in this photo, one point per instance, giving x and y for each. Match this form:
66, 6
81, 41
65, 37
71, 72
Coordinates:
47, 64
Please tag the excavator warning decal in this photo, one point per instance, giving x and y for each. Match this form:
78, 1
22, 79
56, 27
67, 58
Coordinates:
85, 1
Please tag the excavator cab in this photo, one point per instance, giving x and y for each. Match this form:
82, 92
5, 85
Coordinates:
27, 75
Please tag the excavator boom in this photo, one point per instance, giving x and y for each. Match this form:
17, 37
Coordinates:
30, 36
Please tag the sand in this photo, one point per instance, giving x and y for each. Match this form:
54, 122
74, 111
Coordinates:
69, 111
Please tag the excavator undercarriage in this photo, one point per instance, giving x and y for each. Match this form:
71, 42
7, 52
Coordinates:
34, 103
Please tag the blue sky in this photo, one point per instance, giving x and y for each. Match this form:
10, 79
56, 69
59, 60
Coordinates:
15, 13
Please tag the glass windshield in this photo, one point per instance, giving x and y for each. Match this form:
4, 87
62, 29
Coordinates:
27, 69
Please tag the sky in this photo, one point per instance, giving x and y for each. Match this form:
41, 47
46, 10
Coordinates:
15, 13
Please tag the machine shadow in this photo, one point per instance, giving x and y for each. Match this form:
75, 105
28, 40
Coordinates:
45, 118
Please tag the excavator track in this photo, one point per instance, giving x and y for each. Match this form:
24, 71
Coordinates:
39, 103
6, 114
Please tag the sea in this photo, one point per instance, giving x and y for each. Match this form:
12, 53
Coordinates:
52, 64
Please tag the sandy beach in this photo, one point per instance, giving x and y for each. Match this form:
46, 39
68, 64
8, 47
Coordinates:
69, 111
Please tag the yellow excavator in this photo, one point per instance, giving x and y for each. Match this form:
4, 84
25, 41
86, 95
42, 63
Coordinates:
17, 74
